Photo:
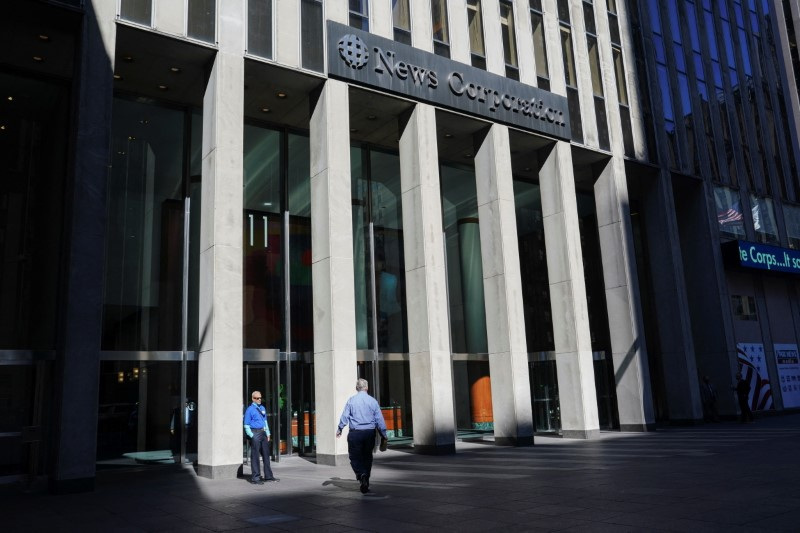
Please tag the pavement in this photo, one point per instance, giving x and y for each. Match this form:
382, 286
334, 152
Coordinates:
718, 477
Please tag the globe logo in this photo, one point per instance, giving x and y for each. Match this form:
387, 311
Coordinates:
353, 51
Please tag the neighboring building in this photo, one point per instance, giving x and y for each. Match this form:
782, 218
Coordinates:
487, 208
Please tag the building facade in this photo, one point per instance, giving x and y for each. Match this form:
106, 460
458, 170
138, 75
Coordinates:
487, 208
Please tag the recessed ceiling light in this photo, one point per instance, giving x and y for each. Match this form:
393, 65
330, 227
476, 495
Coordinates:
353, 130
10, 98
117, 77
448, 135
38, 58
468, 155
43, 37
280, 94
371, 117
128, 59
265, 110
2, 126
176, 70
163, 87
527, 169
144, 122
131, 138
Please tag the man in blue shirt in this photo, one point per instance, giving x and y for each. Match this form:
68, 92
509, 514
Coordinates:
255, 425
363, 415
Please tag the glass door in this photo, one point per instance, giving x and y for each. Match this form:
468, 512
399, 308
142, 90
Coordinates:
263, 377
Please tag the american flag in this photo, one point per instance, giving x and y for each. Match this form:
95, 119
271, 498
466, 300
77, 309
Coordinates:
732, 214
760, 392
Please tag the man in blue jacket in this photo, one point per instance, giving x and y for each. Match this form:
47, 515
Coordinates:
255, 425
363, 414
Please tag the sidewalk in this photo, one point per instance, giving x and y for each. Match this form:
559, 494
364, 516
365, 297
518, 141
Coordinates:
717, 477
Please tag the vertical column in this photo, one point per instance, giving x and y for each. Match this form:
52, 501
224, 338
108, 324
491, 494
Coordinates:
427, 303
562, 237
381, 19
73, 444
332, 267
502, 286
493, 37
673, 318
459, 30
219, 452
422, 25
629, 351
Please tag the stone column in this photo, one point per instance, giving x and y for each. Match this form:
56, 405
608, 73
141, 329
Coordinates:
672, 314
73, 443
332, 267
626, 326
562, 237
502, 287
421, 25
426, 285
219, 452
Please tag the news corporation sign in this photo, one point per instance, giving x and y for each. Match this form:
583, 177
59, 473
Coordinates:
365, 59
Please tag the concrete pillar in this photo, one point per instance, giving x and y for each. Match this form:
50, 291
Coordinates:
381, 19
493, 37
523, 31
502, 287
219, 453
459, 31
562, 237
332, 267
73, 445
626, 326
672, 315
426, 287
421, 25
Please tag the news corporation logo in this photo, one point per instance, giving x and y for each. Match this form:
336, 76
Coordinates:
353, 51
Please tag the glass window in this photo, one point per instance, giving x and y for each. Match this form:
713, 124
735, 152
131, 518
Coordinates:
378, 235
563, 11
263, 240
763, 219
401, 18
791, 214
619, 71
464, 267
744, 307
359, 14
34, 140
475, 20
509, 39
311, 29
143, 275
594, 65
539, 46
533, 254
259, 28
201, 20
139, 11
441, 33
569, 58
729, 213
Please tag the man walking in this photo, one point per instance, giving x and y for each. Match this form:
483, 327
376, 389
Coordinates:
255, 425
363, 415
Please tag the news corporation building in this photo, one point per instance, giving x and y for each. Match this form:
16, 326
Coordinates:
514, 218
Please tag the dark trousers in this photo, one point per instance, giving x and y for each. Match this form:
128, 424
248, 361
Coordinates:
259, 447
360, 443
745, 415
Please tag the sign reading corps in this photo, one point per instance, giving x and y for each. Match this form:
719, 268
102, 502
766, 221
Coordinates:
367, 59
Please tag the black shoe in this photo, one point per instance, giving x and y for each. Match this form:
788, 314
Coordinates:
364, 484
256, 482
272, 479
